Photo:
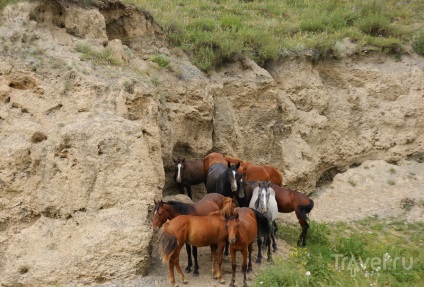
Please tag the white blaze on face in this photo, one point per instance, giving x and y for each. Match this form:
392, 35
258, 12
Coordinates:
179, 172
264, 199
234, 181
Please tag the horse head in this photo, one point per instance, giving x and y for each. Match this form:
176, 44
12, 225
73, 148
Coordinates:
263, 196
160, 215
179, 168
241, 183
233, 226
232, 176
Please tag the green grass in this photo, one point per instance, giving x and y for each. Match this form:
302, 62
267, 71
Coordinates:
103, 57
215, 32
370, 252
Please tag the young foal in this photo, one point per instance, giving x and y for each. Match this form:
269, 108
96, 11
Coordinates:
199, 231
243, 228
188, 173
168, 210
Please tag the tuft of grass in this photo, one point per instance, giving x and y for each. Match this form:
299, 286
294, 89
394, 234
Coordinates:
162, 60
418, 44
391, 182
352, 182
392, 170
103, 57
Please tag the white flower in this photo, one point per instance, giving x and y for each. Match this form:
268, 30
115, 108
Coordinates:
308, 273
262, 282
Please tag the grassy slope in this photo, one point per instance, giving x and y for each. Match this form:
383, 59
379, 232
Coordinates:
384, 247
213, 32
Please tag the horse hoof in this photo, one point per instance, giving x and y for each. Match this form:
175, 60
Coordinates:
222, 281
187, 270
258, 261
249, 270
196, 273
275, 249
185, 281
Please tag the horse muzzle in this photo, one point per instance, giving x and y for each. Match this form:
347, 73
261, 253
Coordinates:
232, 240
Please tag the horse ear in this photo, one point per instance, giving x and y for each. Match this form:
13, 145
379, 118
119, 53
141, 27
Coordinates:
183, 160
269, 184
174, 159
237, 216
238, 165
229, 164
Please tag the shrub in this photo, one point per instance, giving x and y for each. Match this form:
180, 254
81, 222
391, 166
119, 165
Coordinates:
418, 44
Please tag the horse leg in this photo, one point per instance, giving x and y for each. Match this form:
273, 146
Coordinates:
259, 239
219, 258
213, 254
171, 265
177, 265
302, 221
268, 240
226, 248
244, 265
196, 264
274, 244
180, 188
249, 265
233, 265
189, 262
188, 186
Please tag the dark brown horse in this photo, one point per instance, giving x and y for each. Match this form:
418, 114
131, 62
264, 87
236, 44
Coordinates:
199, 231
287, 200
256, 172
243, 228
188, 173
164, 211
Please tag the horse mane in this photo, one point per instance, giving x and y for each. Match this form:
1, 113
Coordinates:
181, 207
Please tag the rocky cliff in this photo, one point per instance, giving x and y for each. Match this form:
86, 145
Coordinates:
85, 146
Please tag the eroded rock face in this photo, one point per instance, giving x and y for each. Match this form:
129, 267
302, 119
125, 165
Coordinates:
85, 148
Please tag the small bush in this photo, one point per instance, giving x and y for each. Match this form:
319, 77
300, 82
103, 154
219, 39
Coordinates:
418, 44
161, 60
375, 25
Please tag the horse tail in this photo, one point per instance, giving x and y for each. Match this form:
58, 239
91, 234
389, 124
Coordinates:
307, 209
167, 243
261, 223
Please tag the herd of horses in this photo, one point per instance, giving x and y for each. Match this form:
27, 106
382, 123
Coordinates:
216, 222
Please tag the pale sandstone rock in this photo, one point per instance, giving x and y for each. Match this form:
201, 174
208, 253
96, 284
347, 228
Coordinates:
85, 148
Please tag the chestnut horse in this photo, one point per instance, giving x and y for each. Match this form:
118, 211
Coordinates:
287, 200
243, 228
164, 211
188, 173
209, 230
257, 172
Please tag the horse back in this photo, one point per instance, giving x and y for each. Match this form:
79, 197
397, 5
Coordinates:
209, 203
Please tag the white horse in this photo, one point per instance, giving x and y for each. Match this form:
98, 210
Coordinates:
263, 200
